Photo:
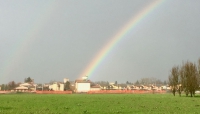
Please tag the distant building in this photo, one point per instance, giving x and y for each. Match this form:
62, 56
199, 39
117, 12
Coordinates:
95, 88
82, 85
26, 87
21, 88
56, 86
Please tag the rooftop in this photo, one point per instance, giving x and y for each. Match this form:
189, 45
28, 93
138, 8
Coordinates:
83, 81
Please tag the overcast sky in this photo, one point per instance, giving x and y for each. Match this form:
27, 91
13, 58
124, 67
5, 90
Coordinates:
52, 40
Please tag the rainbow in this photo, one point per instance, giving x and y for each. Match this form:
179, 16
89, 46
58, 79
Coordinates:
24, 42
118, 37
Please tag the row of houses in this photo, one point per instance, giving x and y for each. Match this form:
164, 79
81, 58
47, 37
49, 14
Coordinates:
84, 85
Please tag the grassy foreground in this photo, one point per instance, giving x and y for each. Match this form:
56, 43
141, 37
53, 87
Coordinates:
97, 104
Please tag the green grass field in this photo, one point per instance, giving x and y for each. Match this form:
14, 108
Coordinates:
98, 104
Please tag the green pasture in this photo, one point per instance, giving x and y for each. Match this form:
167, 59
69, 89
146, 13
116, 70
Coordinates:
98, 104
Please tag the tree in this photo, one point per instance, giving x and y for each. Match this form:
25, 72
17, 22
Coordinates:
149, 81
28, 80
67, 86
173, 79
3, 87
137, 82
199, 71
11, 85
127, 82
158, 81
190, 78
185, 78
115, 82
6, 87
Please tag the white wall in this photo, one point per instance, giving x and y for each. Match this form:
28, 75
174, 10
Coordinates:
61, 87
55, 87
82, 87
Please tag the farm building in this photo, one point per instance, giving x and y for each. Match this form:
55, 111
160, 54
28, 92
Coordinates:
82, 85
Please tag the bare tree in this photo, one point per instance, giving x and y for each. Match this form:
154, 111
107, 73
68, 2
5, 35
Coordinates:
183, 80
199, 71
186, 79
174, 79
11, 85
191, 77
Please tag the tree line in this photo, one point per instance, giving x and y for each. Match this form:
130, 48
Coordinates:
185, 78
142, 81
11, 85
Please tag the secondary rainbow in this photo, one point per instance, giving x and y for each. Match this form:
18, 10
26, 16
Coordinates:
118, 37
24, 41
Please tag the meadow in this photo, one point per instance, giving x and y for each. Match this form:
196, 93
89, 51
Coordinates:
98, 104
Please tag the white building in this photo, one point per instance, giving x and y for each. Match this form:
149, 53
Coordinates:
56, 86
21, 88
25, 85
82, 86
